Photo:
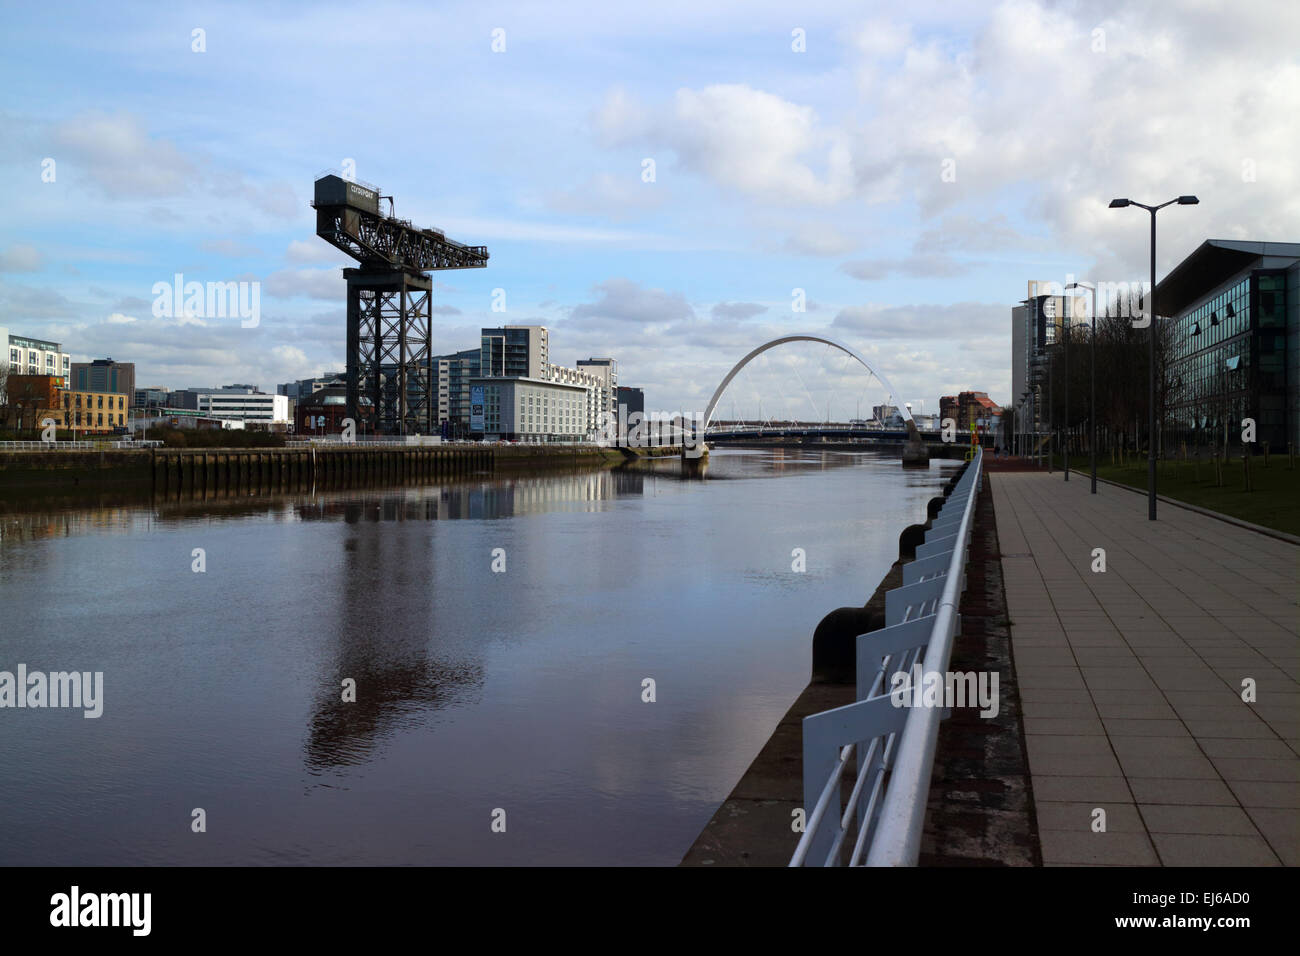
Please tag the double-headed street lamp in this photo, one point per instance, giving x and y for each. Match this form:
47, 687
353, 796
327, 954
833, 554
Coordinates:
1151, 313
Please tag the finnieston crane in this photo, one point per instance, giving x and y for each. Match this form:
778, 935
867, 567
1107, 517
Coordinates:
390, 298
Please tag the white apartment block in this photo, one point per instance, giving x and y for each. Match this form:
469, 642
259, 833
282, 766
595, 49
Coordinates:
522, 353
606, 371
597, 396
535, 410
22, 355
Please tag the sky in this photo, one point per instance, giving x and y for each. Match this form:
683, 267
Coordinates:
654, 182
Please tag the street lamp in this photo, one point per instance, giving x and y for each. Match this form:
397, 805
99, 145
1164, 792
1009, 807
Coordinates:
1151, 309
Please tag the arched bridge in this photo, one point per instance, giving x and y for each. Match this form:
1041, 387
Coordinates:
912, 434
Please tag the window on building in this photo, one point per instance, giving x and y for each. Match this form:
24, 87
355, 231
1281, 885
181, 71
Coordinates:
101, 405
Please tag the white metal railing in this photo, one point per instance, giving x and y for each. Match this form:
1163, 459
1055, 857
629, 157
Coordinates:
370, 441
894, 745
74, 445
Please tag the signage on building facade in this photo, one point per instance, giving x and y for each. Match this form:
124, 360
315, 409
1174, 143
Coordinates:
476, 408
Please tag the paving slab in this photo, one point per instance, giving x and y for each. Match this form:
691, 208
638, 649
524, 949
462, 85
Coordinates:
1132, 679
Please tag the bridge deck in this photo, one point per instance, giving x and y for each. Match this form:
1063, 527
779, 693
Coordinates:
1131, 680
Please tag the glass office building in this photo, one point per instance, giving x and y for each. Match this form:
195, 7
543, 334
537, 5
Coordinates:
1235, 344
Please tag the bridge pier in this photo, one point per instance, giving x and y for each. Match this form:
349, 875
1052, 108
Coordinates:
916, 454
695, 462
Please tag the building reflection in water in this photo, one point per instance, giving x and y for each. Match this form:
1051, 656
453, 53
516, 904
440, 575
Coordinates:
404, 667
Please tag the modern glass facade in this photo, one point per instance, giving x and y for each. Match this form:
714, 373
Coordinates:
1230, 361
514, 351
454, 372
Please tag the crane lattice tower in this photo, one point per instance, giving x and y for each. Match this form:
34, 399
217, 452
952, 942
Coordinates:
390, 299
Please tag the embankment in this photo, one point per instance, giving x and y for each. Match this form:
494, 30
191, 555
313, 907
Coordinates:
225, 472
980, 807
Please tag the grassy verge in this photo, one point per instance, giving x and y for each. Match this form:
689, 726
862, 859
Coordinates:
1273, 501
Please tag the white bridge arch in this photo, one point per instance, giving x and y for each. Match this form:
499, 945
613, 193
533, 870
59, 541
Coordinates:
912, 433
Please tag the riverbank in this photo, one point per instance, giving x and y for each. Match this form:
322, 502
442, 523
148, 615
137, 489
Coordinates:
980, 808
238, 471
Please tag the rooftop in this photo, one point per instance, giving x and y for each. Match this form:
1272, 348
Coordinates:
1212, 263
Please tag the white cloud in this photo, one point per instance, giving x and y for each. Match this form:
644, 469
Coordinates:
609, 196
115, 151
739, 137
623, 300
313, 283
914, 267
21, 257
738, 310
233, 248
314, 250
822, 240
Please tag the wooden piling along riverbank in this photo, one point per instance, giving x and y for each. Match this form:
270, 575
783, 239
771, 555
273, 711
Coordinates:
232, 472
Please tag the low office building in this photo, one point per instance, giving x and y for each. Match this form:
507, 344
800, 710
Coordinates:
530, 410
1234, 309
92, 412
240, 403
154, 396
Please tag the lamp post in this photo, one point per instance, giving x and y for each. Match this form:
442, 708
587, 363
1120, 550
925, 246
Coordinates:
1151, 318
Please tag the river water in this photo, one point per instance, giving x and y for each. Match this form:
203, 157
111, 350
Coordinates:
510, 697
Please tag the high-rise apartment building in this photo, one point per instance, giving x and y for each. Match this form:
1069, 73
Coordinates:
514, 350
104, 375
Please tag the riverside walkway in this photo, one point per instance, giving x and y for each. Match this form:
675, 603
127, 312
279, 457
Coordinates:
1131, 679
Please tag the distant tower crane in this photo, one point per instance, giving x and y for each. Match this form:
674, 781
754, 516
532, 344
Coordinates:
390, 298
